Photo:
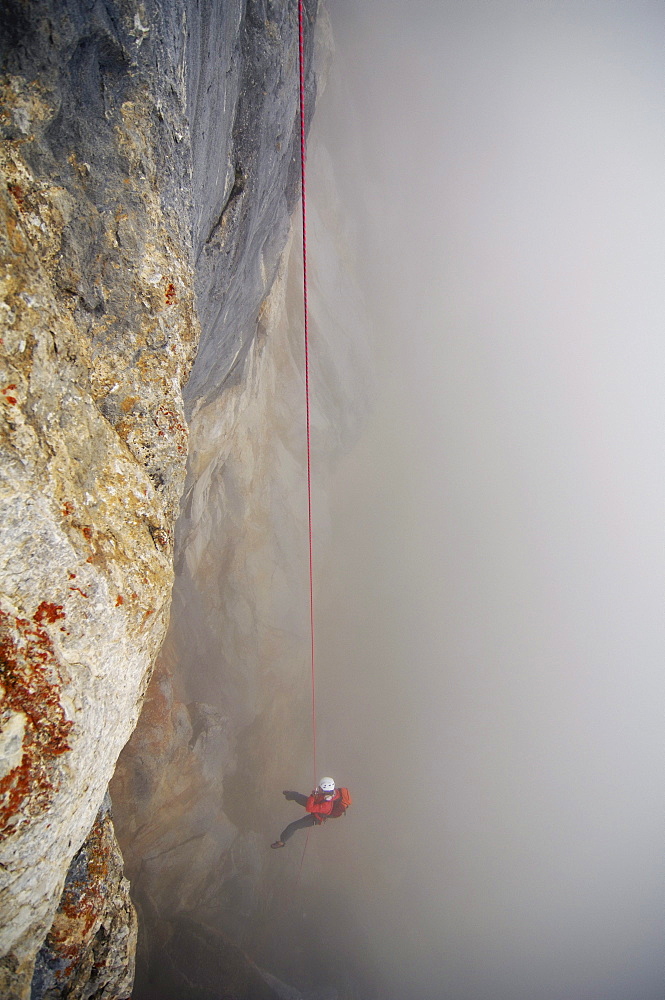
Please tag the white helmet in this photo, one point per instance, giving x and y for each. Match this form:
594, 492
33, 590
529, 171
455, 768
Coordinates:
327, 785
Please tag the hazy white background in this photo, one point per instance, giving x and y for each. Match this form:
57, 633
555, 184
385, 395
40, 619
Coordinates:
491, 646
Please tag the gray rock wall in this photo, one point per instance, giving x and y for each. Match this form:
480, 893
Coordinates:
246, 169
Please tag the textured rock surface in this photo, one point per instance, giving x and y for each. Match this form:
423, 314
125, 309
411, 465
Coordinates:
89, 951
98, 334
245, 168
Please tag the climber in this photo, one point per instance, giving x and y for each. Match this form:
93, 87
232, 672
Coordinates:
325, 802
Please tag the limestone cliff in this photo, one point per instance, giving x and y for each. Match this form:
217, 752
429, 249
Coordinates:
149, 178
227, 721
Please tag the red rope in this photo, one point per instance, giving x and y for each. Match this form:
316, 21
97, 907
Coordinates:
301, 52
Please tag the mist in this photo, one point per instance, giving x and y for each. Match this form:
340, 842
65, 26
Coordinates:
490, 640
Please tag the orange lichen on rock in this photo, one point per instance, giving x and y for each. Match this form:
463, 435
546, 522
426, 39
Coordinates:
8, 394
17, 193
31, 684
171, 423
83, 899
93, 936
50, 613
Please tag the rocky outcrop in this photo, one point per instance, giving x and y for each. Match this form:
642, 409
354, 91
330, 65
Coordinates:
89, 951
245, 172
98, 335
148, 181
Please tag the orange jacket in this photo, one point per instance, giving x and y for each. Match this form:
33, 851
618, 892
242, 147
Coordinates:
322, 805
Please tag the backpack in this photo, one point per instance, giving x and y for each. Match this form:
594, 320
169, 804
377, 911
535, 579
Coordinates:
342, 803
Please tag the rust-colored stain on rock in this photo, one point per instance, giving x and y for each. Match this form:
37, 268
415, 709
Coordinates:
17, 193
50, 613
93, 935
6, 392
32, 686
128, 404
82, 904
171, 424
83, 900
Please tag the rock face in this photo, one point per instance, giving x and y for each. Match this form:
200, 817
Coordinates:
98, 335
194, 788
89, 951
148, 181
227, 721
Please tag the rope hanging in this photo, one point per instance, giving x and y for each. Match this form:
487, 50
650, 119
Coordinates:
301, 54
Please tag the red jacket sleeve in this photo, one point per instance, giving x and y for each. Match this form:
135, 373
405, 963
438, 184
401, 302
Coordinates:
319, 805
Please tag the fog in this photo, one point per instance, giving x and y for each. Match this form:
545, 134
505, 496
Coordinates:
490, 642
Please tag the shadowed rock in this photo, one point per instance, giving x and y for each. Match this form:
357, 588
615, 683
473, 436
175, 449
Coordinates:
89, 951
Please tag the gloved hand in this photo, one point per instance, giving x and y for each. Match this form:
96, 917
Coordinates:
289, 796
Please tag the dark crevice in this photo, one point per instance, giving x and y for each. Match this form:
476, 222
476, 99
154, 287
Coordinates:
239, 183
